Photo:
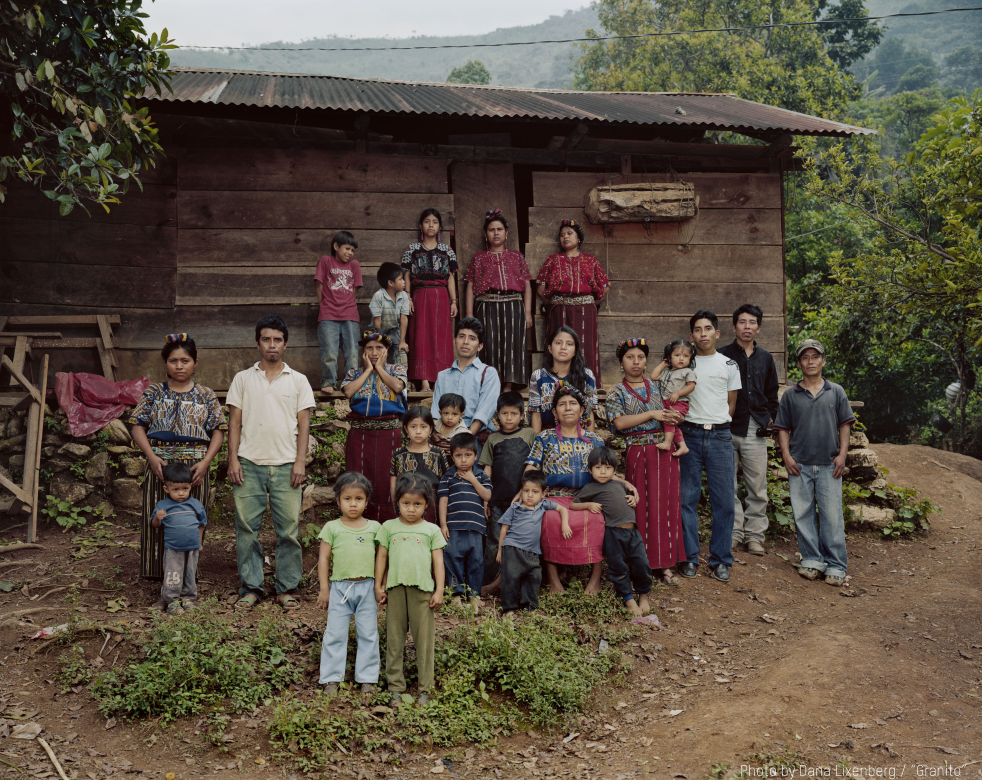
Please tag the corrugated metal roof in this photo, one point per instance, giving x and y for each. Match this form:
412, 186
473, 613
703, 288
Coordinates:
290, 90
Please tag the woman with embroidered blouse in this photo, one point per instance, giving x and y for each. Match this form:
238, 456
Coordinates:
430, 267
561, 453
177, 420
562, 360
500, 296
635, 411
572, 283
376, 391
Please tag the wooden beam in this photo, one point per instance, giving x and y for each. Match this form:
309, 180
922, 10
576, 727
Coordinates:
83, 243
31, 390
32, 465
66, 320
18, 492
110, 287
22, 348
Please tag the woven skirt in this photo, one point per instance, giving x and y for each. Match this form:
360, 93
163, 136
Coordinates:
655, 474
583, 319
369, 452
430, 334
505, 345
586, 544
152, 539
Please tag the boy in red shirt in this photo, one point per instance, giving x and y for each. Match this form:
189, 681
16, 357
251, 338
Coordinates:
338, 326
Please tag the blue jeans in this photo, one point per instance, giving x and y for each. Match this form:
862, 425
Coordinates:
712, 451
821, 537
351, 597
262, 484
463, 558
334, 337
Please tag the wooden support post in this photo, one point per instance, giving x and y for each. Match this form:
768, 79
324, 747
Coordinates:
22, 348
625, 164
21, 379
35, 467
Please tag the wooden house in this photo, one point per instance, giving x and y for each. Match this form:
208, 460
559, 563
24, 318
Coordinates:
262, 168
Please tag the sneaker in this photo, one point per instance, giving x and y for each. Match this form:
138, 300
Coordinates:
330, 688
395, 699
175, 608
423, 700
736, 545
835, 580
188, 604
809, 573
755, 548
368, 687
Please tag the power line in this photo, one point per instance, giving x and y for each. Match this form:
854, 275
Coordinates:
595, 40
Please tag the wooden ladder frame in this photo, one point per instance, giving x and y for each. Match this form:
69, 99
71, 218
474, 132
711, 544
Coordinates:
21, 341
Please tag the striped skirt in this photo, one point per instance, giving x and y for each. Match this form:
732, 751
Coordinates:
152, 539
583, 319
655, 474
430, 333
369, 451
505, 345
585, 546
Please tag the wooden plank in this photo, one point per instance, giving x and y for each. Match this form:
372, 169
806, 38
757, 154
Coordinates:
552, 189
684, 298
22, 349
306, 170
479, 187
107, 342
87, 243
371, 210
251, 285
672, 263
18, 375
162, 171
112, 287
67, 320
715, 226
32, 454
156, 205
273, 247
13, 334
18, 492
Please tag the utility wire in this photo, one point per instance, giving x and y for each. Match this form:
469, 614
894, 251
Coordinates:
595, 40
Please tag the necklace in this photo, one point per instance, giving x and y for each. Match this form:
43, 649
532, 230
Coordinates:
632, 391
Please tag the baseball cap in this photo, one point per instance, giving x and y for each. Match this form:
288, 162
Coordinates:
810, 344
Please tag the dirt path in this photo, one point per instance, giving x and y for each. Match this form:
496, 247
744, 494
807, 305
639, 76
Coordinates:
884, 673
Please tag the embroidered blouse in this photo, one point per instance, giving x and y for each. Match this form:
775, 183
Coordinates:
382, 400
563, 460
506, 272
179, 425
541, 386
431, 464
581, 275
623, 400
429, 265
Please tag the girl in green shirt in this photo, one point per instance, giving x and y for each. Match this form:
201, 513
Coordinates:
409, 578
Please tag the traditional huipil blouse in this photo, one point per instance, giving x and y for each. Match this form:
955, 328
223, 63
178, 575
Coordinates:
573, 276
563, 459
542, 384
179, 425
623, 400
429, 265
382, 401
505, 272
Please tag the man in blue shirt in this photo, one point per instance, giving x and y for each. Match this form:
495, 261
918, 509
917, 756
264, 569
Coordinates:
478, 383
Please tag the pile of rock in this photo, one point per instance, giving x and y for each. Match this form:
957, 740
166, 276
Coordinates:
863, 468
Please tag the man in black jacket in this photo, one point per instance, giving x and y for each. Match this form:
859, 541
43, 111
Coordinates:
756, 408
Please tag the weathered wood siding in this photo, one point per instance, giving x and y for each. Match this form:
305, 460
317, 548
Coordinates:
731, 253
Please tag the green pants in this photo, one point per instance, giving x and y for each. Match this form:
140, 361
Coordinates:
408, 608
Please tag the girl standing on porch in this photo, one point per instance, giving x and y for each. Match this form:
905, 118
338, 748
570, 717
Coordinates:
572, 282
500, 296
429, 268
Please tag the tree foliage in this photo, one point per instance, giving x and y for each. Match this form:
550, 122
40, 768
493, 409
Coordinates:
473, 72
796, 68
70, 73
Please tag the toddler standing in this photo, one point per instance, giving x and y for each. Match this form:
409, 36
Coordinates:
183, 519
519, 545
338, 327
390, 308
676, 382
351, 540
409, 578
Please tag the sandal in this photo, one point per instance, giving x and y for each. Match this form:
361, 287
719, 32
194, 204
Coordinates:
287, 601
668, 578
835, 580
248, 601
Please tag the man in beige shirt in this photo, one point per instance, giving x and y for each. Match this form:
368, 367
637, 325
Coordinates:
269, 425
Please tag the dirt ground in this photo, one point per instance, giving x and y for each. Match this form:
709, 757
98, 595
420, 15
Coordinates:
880, 678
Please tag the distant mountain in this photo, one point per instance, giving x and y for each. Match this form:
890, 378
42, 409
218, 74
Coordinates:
542, 66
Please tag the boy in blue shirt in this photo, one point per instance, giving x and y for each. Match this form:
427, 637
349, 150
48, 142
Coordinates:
463, 493
184, 520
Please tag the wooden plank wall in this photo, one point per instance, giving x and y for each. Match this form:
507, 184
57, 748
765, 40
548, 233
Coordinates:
662, 273
219, 238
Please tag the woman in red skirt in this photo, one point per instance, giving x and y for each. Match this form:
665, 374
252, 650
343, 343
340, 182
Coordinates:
573, 283
430, 266
634, 408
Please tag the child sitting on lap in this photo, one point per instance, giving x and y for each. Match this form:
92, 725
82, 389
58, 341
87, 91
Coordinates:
627, 561
184, 520
519, 545
451, 420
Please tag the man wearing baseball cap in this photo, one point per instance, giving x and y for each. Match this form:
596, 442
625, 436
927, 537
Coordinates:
813, 423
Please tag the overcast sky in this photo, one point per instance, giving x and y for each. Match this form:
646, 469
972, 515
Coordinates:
238, 22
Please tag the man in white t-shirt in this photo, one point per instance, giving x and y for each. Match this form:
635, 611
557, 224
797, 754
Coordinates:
269, 426
707, 435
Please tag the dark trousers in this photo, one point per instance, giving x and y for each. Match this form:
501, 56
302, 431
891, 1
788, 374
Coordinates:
463, 558
521, 579
627, 562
